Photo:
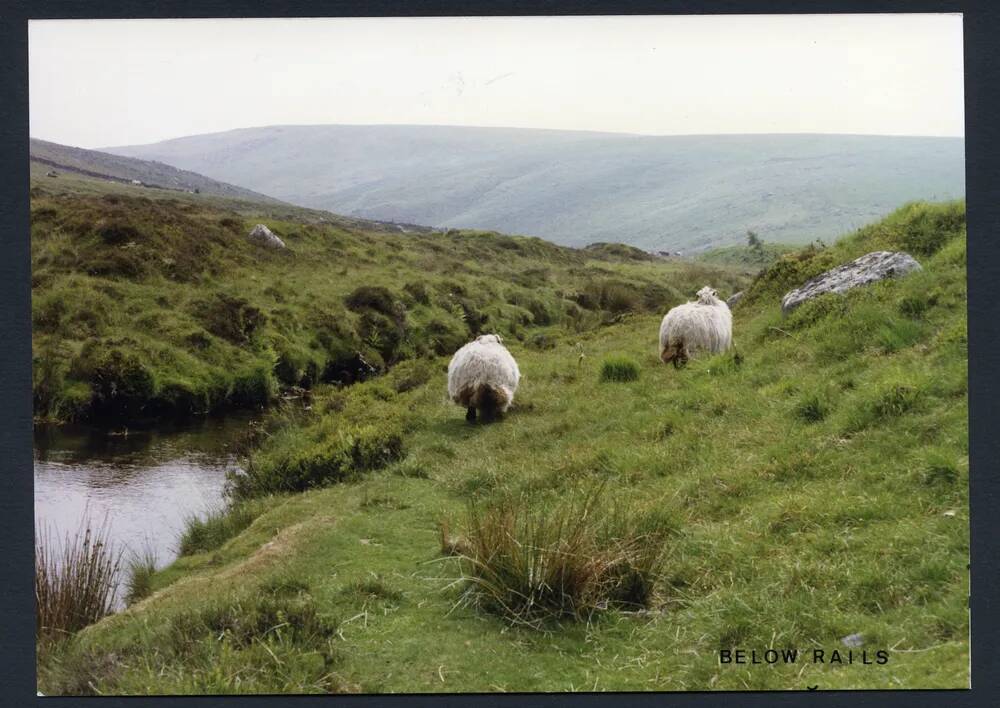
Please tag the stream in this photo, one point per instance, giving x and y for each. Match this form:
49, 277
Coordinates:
143, 484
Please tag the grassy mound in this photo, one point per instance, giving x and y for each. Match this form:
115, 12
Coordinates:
817, 490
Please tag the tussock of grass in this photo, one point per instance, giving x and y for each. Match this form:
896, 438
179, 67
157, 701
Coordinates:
813, 408
75, 579
887, 401
139, 571
533, 565
208, 533
620, 369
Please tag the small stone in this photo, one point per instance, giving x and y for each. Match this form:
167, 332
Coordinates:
734, 298
853, 640
263, 236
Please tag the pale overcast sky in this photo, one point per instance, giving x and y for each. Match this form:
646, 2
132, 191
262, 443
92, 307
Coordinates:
116, 82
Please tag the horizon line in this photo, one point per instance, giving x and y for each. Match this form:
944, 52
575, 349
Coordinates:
507, 128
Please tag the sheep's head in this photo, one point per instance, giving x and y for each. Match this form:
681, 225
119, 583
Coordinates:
489, 339
708, 296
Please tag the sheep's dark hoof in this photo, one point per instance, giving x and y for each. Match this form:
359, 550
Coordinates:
487, 415
470, 415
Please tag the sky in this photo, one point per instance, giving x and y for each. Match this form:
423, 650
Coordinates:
100, 83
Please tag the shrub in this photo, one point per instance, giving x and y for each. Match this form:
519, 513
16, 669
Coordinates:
211, 532
532, 565
115, 232
408, 375
299, 465
443, 337
121, 383
255, 386
619, 368
231, 318
542, 341
372, 297
383, 334
540, 312
474, 318
417, 293
611, 295
75, 581
928, 227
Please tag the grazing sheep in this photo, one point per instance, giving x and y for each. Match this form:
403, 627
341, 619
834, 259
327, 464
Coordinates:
483, 375
706, 324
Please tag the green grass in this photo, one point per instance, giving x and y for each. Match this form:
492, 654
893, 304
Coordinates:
619, 368
209, 532
750, 258
140, 567
148, 303
819, 489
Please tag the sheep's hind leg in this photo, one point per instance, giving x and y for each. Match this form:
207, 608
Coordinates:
470, 415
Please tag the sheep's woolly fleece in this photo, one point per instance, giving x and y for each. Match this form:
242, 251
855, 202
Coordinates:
703, 325
481, 366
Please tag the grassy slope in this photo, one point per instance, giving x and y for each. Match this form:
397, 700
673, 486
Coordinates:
159, 298
817, 490
53, 156
745, 256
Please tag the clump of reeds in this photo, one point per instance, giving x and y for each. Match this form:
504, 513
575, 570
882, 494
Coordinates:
76, 581
141, 567
534, 563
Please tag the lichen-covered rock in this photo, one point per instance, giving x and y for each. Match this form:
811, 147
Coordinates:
263, 236
870, 268
734, 298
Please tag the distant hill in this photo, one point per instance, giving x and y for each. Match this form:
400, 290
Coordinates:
574, 188
117, 168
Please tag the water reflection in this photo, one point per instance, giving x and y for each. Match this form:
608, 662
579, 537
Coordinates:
146, 482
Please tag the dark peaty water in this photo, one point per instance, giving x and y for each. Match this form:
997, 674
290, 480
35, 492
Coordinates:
144, 484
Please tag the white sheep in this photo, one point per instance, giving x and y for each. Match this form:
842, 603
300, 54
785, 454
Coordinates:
483, 375
703, 325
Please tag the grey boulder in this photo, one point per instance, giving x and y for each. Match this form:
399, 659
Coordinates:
263, 236
734, 298
870, 268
